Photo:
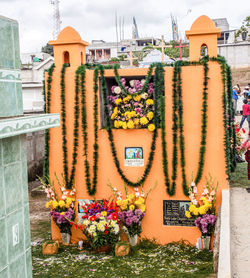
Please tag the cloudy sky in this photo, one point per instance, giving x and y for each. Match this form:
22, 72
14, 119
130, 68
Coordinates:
95, 19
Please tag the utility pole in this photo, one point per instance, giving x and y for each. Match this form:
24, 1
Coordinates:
56, 18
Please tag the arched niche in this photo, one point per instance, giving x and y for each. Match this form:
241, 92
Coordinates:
66, 58
203, 50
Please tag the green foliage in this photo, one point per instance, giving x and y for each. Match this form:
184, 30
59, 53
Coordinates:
48, 49
90, 187
47, 102
240, 178
244, 27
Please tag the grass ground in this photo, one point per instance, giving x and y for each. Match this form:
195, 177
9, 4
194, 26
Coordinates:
146, 260
239, 178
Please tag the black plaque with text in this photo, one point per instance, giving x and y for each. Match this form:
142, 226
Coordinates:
174, 213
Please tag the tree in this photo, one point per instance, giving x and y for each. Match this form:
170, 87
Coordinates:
48, 49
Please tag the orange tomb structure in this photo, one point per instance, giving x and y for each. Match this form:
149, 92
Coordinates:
69, 48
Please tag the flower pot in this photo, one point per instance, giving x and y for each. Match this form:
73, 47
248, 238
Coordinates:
122, 249
65, 238
50, 248
205, 242
103, 249
133, 240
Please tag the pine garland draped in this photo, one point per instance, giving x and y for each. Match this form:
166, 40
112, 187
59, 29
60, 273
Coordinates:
47, 102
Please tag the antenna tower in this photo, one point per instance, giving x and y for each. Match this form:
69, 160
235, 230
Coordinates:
56, 18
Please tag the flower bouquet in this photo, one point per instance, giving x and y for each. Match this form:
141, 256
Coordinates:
203, 210
100, 224
61, 209
133, 110
132, 211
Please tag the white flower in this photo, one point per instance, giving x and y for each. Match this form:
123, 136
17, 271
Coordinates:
136, 189
205, 192
142, 194
137, 194
117, 90
72, 193
115, 189
64, 197
192, 183
94, 234
143, 81
144, 95
212, 193
131, 82
194, 202
195, 190
63, 189
86, 222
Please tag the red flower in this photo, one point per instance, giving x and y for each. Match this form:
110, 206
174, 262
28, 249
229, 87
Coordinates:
92, 218
106, 232
114, 216
237, 130
75, 226
243, 130
81, 227
71, 223
85, 216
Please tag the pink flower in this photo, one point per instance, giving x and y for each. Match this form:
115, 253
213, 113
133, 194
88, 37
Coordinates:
195, 190
212, 193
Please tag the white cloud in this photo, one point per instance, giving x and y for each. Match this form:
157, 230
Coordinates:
95, 19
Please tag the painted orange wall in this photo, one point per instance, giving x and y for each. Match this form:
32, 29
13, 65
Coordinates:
192, 84
192, 77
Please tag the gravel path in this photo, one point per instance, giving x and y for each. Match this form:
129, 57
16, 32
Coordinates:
240, 233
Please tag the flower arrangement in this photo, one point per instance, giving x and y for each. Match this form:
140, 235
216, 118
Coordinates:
206, 204
61, 209
131, 209
100, 224
203, 210
134, 110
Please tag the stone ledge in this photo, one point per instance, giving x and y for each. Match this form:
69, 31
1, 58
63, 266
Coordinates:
25, 124
224, 267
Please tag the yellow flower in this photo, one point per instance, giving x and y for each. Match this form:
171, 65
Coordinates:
151, 127
61, 203
47, 205
119, 202
113, 116
130, 124
104, 213
150, 115
115, 110
142, 207
116, 124
140, 201
143, 120
124, 125
192, 208
149, 101
69, 200
133, 114
136, 121
202, 210
120, 123
188, 214
131, 207
54, 204
131, 196
62, 213
196, 211
118, 101
137, 98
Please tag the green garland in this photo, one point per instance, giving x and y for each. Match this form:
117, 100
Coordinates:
47, 102
69, 179
145, 86
91, 188
111, 137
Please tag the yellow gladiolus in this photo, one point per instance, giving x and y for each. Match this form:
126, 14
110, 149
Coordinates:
131, 196
202, 210
192, 208
142, 207
124, 125
54, 204
61, 203
196, 211
188, 214
47, 205
69, 200
120, 123
151, 127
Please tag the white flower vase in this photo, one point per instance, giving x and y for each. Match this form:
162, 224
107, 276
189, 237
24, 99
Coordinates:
65, 238
205, 242
133, 240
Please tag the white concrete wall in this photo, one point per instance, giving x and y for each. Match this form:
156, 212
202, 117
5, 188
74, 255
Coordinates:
237, 55
32, 99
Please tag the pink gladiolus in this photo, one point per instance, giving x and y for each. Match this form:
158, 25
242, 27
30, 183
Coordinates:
195, 190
